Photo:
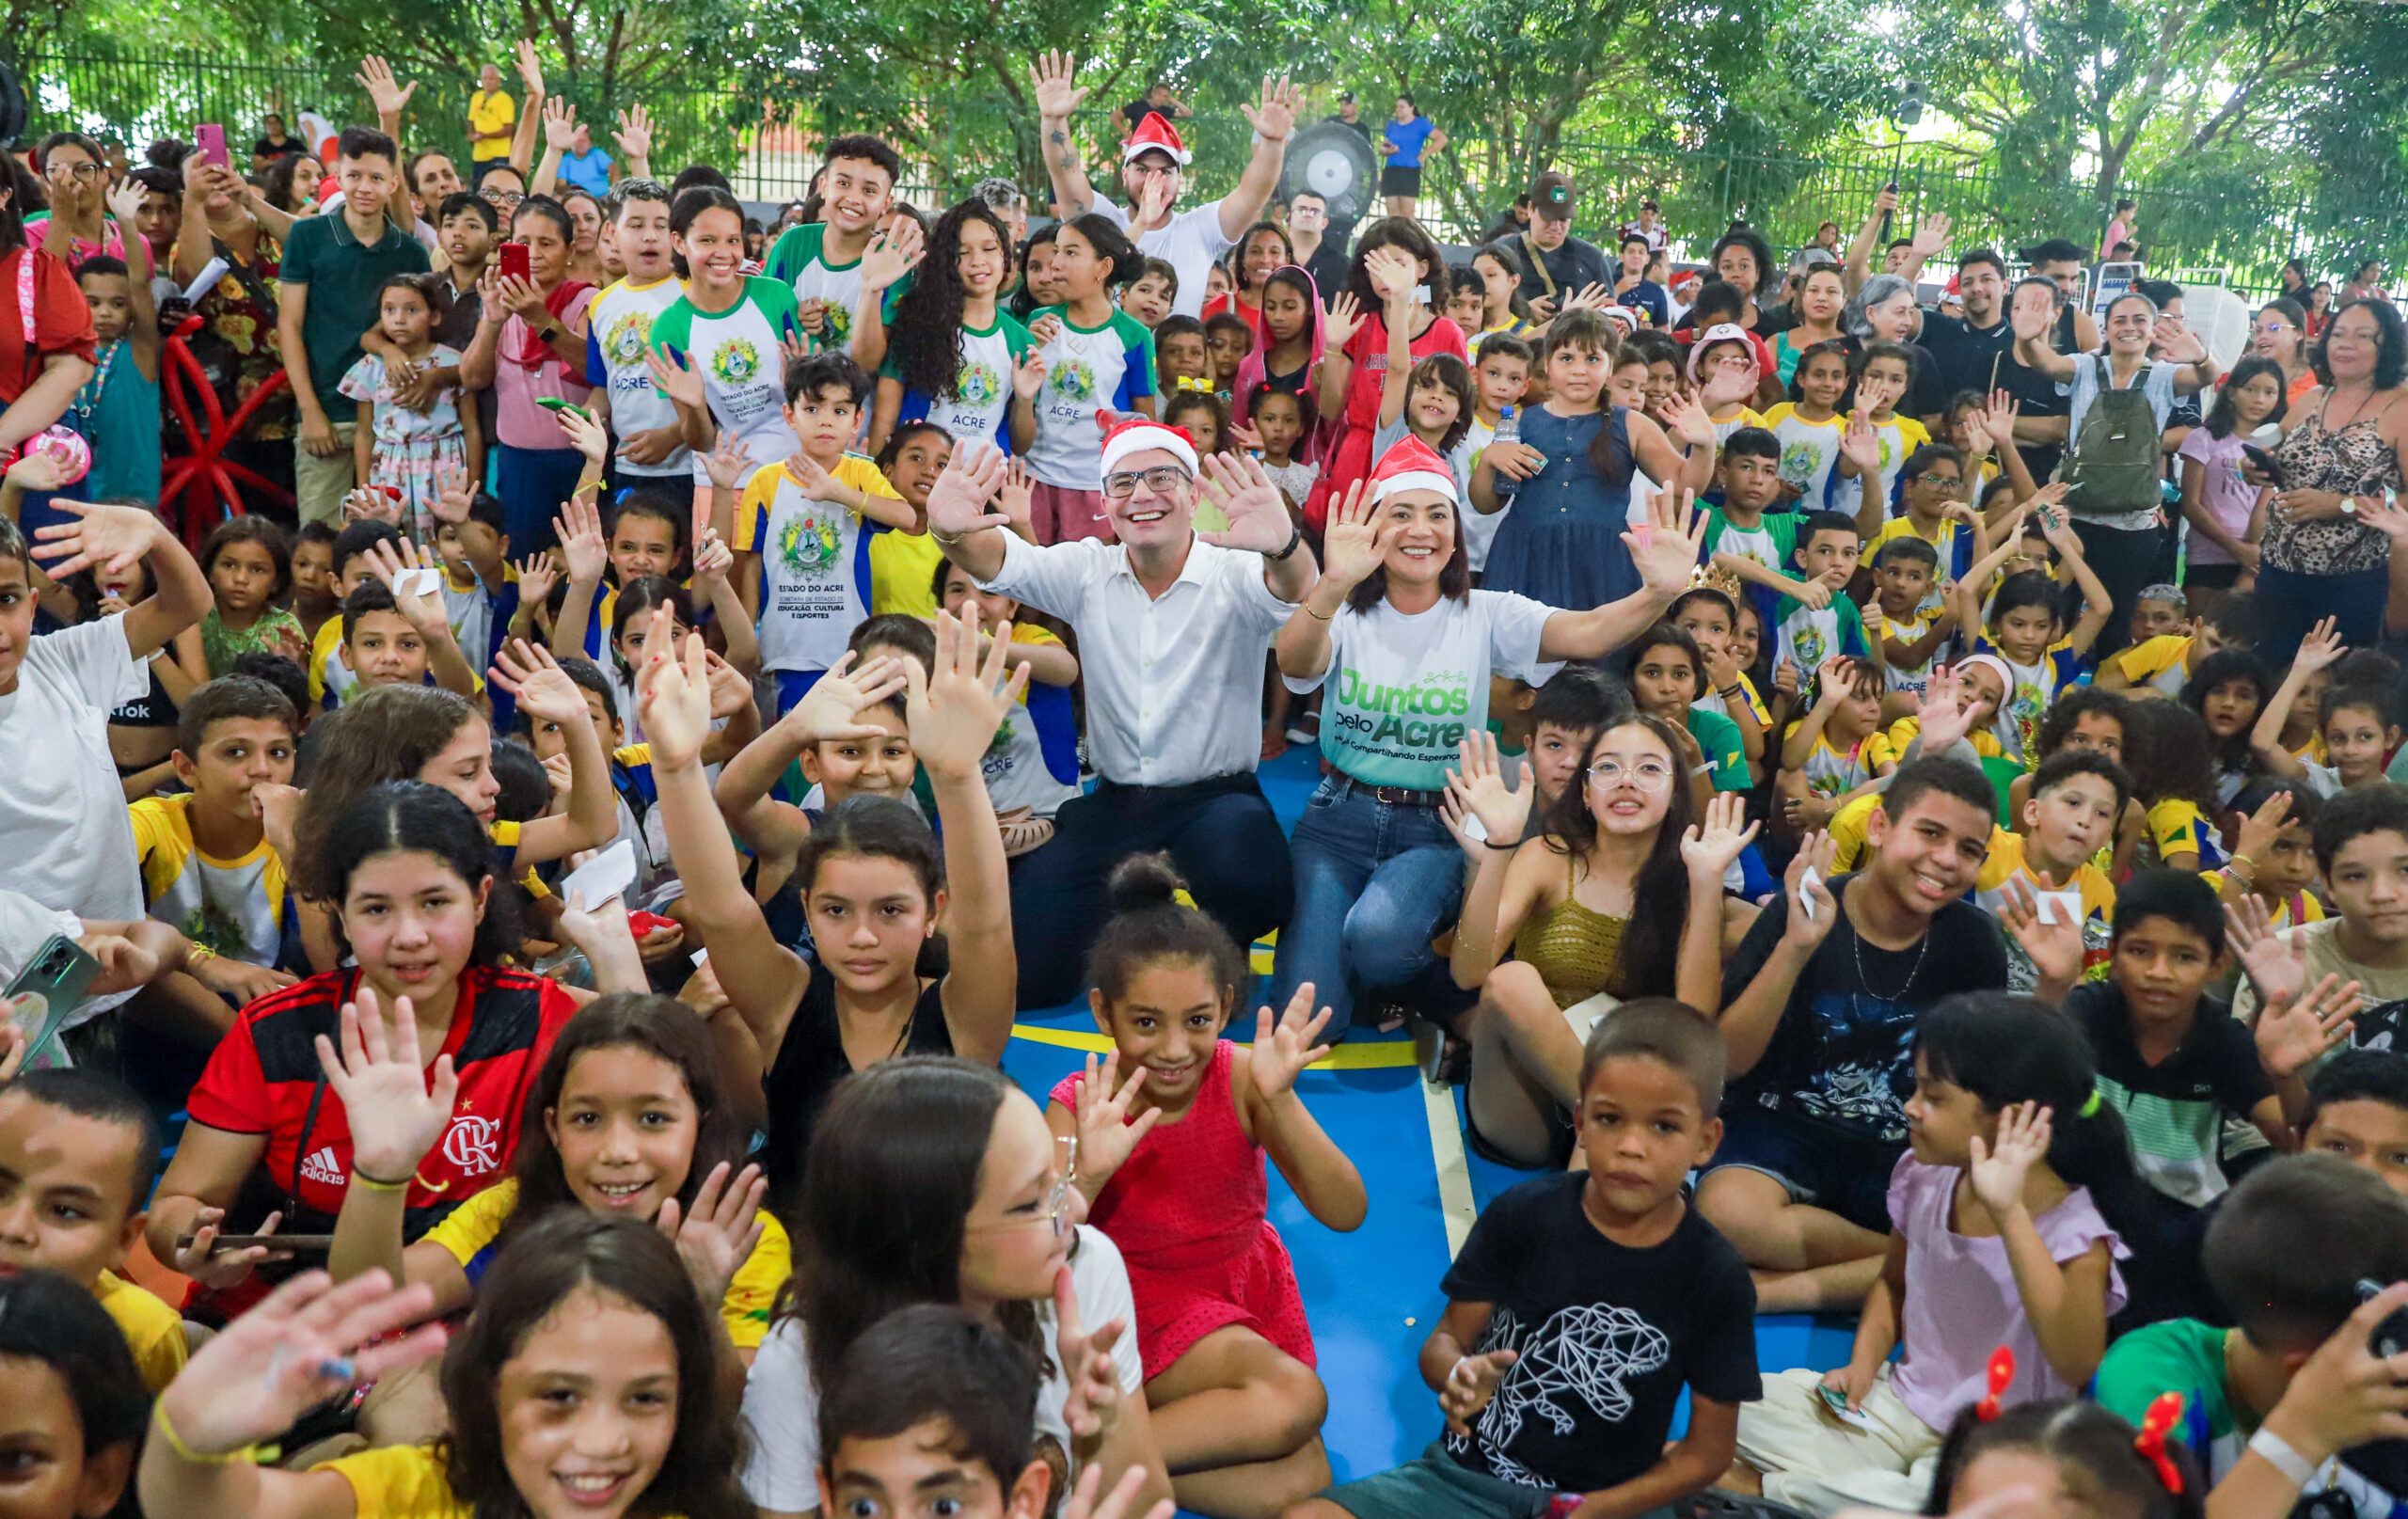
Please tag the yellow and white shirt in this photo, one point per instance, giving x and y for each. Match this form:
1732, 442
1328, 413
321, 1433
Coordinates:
2090, 893
233, 907
815, 561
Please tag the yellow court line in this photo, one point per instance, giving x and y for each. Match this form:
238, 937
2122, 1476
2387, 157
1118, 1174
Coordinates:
1386, 1055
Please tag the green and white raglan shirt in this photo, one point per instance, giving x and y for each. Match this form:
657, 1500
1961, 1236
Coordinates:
1086, 368
983, 385
618, 344
737, 353
798, 259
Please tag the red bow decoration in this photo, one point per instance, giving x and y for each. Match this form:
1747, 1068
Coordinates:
2165, 1412
2002, 1372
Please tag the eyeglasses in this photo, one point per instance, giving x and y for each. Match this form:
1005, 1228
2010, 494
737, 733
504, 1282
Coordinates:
1647, 775
1066, 1150
85, 172
1160, 480
503, 198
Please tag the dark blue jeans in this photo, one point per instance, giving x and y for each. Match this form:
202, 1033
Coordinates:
1374, 881
2290, 603
1221, 835
2126, 561
532, 484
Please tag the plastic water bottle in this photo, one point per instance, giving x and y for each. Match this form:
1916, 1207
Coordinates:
1509, 430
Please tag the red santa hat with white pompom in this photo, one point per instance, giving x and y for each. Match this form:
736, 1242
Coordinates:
1155, 134
1411, 465
1140, 434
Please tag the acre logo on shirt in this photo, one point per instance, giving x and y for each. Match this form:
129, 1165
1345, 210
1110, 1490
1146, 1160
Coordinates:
624, 340
736, 361
978, 384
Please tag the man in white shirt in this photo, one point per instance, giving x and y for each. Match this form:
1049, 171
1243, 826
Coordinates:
1152, 165
1172, 626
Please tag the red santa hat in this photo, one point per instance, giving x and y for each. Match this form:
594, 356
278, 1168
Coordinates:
1155, 134
1138, 434
1411, 465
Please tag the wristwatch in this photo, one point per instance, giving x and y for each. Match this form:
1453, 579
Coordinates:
2349, 506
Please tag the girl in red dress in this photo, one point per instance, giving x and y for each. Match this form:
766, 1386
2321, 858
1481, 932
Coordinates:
1171, 1164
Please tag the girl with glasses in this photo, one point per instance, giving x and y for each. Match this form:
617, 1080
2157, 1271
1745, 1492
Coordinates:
76, 176
934, 1180
2280, 333
1619, 897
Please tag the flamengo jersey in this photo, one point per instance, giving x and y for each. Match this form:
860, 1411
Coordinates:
618, 338
736, 352
983, 385
799, 260
233, 907
263, 1079
815, 563
1086, 368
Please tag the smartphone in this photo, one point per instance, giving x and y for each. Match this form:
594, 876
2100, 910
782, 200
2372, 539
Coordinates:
57, 974
2267, 464
213, 145
513, 261
300, 1244
557, 404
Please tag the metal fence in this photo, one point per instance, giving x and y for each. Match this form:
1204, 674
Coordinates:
769, 154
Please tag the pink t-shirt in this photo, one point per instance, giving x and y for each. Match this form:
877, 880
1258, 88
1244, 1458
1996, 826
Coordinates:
2228, 498
521, 422
1961, 1302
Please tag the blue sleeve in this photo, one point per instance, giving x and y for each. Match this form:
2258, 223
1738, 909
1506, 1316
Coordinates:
597, 373
1137, 378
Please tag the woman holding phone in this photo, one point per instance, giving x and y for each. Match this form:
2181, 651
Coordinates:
529, 348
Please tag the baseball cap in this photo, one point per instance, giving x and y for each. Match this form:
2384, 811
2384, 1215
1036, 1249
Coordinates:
1345, 97
1552, 196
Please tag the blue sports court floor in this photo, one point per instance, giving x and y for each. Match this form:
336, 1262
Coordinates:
1372, 1295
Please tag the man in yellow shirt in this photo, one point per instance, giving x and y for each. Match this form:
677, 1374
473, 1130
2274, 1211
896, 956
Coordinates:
492, 114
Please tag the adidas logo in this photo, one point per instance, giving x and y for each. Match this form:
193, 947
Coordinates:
323, 1166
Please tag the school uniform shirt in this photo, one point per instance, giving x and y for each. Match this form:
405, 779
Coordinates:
735, 351
903, 573
153, 1331
1034, 761
640, 823
2089, 898
2383, 1020
1607, 1338
1806, 635
1952, 542
2177, 825
476, 615
1770, 543
1086, 368
263, 1079
1712, 702
797, 262
1899, 437
470, 1233
982, 400
2175, 1110
1190, 244
1896, 676
331, 677
1726, 751
782, 1401
1888, 747
63, 825
1725, 426
1174, 684
1830, 771
815, 561
618, 349
2017, 722
1404, 690
1808, 451
2161, 663
233, 907
2300, 906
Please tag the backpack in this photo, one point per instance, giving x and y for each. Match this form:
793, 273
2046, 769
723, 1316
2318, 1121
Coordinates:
2114, 469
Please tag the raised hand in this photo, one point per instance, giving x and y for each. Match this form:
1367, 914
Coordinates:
1784, 672
1274, 117
1258, 513
1051, 75
673, 375
1687, 421
2054, 941
1476, 789
560, 124
731, 691
2275, 962
713, 558
124, 202
955, 709
1092, 1406
1028, 373
893, 254
1932, 235
720, 1233
1667, 550
1107, 1135
1281, 1053
958, 501
421, 605
1833, 679
1708, 847
307, 1342
1862, 445
1812, 909
833, 708
727, 463
1470, 1384
395, 1117
673, 694
588, 436
1341, 319
2383, 511
544, 692
578, 527
1016, 498
634, 133
2000, 1166
537, 575
385, 93
109, 539
1393, 273
2261, 828
1354, 544
1998, 418
530, 67
1946, 714
2291, 1036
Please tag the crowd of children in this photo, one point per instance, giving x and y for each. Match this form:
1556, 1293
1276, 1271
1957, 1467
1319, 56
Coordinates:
577, 877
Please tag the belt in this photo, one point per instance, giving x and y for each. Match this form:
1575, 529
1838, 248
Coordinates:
1395, 795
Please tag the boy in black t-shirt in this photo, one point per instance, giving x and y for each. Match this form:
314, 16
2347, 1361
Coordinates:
1584, 1302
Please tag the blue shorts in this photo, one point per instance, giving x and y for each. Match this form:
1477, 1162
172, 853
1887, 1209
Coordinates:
1436, 1485
793, 685
1827, 1167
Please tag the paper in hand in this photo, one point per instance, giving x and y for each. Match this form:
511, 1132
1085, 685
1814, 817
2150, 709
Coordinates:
417, 582
606, 875
1806, 884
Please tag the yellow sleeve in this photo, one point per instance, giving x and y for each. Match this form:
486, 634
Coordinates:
1780, 413
476, 1223
2006, 859
504, 831
1878, 752
862, 475
753, 509
1032, 633
2149, 656
632, 756
153, 1331
2170, 824
1847, 831
1913, 435
745, 1309
1755, 703
322, 648
2311, 910
398, 1483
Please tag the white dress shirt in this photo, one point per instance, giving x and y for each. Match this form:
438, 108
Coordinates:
1173, 683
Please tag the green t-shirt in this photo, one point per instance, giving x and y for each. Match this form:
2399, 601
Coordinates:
1769, 542
1724, 750
799, 260
343, 275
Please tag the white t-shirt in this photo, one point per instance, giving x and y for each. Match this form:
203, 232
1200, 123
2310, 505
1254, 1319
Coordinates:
1404, 690
2158, 386
782, 1403
63, 825
742, 368
618, 344
1189, 244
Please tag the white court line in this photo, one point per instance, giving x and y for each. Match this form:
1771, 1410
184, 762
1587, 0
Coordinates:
1447, 1153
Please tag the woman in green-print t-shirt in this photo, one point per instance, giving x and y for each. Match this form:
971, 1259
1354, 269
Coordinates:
720, 350
952, 356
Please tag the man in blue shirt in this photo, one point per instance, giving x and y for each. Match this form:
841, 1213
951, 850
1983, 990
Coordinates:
1632, 289
585, 166
1406, 138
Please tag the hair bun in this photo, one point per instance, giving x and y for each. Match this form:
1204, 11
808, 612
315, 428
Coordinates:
1141, 881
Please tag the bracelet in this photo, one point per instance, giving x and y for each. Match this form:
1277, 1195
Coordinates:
228, 1458
1319, 617
196, 952
2279, 1455
948, 539
1295, 541
1732, 693
584, 486
1492, 843
362, 1179
2249, 868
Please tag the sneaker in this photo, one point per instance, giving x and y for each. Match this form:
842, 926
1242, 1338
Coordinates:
1298, 736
